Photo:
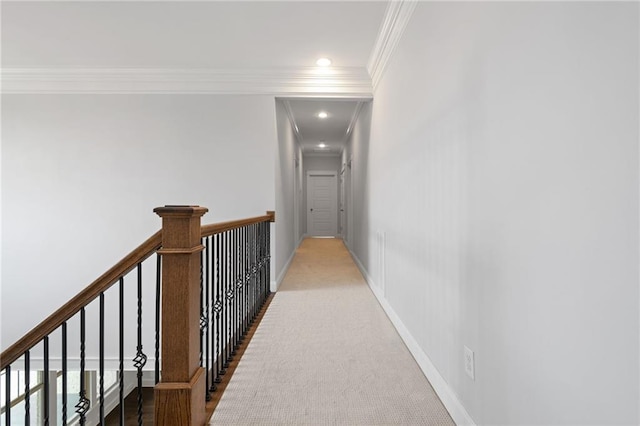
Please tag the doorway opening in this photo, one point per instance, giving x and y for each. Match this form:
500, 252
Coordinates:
322, 203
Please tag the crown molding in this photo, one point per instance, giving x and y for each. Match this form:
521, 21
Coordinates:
304, 81
354, 118
396, 18
292, 120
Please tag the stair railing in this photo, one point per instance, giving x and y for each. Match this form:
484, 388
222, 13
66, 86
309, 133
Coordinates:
208, 282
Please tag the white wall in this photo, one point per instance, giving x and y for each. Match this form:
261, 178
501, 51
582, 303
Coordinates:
319, 163
357, 152
503, 174
286, 172
81, 175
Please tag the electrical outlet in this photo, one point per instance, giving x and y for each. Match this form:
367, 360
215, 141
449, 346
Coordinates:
469, 364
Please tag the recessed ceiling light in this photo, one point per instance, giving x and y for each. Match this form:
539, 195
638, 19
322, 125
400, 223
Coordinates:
322, 114
322, 145
323, 62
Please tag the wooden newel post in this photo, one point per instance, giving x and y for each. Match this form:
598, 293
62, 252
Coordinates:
180, 395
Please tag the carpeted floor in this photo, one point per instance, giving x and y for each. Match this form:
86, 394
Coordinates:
326, 354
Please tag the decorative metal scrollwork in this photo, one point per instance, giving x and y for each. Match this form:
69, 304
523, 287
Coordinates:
140, 360
203, 322
83, 405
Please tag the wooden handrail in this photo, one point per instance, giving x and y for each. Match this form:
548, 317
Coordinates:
83, 298
217, 228
106, 280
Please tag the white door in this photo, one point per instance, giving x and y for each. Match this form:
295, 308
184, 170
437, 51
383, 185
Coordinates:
322, 204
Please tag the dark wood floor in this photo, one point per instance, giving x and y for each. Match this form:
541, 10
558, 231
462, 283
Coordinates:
131, 410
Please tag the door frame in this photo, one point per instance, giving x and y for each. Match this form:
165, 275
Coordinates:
334, 175
342, 203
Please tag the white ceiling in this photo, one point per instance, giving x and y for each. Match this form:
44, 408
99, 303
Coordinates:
332, 131
233, 37
178, 34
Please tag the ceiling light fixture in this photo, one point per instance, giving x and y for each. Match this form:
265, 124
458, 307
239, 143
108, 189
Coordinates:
322, 114
322, 145
323, 62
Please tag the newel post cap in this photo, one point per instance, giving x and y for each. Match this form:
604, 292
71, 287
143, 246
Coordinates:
272, 214
180, 211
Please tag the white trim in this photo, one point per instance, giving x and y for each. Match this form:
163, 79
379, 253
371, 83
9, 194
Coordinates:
448, 397
322, 154
395, 21
327, 173
333, 173
292, 119
354, 119
276, 285
338, 82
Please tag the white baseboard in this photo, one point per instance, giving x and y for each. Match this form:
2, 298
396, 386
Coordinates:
448, 397
276, 284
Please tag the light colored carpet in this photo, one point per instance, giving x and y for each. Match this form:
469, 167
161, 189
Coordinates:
326, 354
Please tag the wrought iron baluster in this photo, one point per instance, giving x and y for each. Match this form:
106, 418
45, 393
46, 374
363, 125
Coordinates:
218, 309
83, 403
27, 389
46, 380
201, 323
238, 286
260, 271
267, 261
261, 245
255, 278
236, 292
247, 296
252, 282
225, 310
268, 237
230, 301
247, 262
121, 349
213, 322
7, 395
265, 279
64, 373
256, 292
267, 249
241, 283
207, 307
157, 336
247, 284
101, 359
260, 264
251, 301
141, 359
258, 281
225, 301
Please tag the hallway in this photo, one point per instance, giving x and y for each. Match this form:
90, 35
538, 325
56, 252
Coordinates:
325, 353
